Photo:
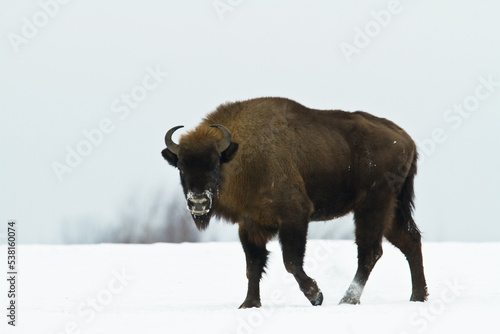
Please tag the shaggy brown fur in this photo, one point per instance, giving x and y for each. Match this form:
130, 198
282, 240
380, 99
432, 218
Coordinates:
288, 165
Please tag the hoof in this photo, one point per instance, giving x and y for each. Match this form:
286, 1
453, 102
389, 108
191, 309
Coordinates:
250, 303
319, 300
419, 297
350, 300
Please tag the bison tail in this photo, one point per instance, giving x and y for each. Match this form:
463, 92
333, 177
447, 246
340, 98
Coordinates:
406, 204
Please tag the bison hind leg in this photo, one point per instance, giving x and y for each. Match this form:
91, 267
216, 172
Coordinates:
370, 220
405, 235
408, 240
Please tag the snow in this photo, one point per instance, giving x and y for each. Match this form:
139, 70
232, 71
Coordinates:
196, 288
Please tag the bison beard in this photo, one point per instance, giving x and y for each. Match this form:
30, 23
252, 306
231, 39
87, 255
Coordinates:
294, 165
201, 222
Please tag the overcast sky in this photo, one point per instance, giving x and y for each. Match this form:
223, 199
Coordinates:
88, 90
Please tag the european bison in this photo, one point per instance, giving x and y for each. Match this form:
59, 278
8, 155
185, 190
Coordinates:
271, 166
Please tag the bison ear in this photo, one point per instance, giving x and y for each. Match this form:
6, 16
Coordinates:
229, 152
170, 157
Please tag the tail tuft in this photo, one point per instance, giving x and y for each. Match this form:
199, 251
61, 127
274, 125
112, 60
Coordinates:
406, 204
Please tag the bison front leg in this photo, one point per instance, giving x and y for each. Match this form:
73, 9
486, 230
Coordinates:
293, 244
256, 258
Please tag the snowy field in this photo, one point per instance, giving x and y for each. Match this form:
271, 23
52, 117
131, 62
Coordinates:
196, 288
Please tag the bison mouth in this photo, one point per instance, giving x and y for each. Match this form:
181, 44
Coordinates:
199, 204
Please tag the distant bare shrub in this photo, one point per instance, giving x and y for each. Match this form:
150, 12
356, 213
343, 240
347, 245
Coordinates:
139, 221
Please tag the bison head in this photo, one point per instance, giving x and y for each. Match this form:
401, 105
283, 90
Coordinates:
198, 157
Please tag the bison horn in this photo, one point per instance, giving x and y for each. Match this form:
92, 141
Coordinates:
226, 141
172, 147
